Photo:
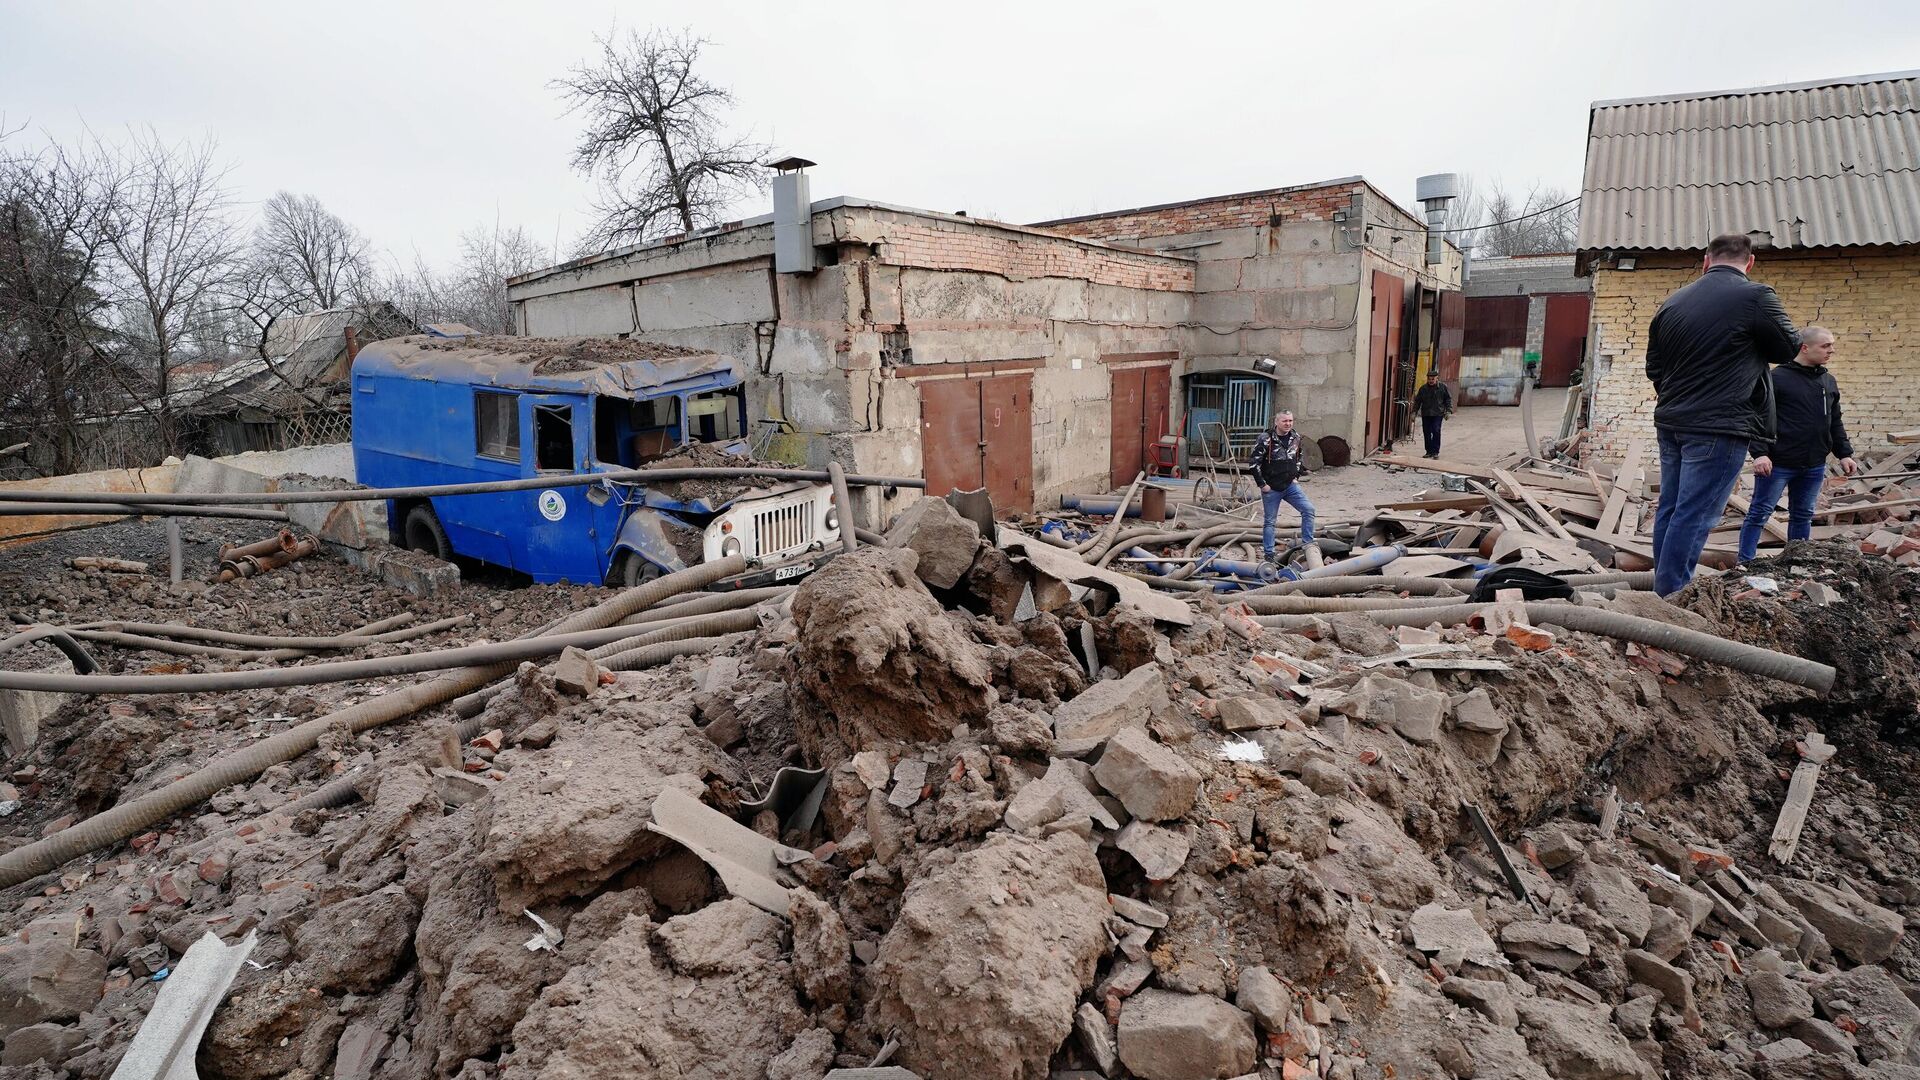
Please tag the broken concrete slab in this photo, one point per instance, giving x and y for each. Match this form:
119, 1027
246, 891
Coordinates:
163, 1048
1674, 984
1161, 852
1475, 711
575, 673
1863, 932
1438, 929
748, 864
48, 1042
1778, 1001
1490, 999
1096, 1037
909, 780
1066, 566
1098, 712
1054, 796
1151, 781
1263, 997
1170, 1036
1395, 704
1543, 944
1247, 712
1578, 1042
47, 980
945, 541
1137, 912
1887, 1019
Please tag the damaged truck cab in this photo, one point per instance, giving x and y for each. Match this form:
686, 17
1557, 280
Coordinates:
431, 410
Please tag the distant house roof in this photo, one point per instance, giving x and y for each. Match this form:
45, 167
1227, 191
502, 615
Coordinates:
1834, 163
307, 350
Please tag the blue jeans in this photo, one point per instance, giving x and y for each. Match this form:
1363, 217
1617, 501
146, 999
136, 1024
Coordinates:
1430, 427
1270, 501
1697, 473
1803, 491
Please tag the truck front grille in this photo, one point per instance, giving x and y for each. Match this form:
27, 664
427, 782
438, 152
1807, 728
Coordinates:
782, 528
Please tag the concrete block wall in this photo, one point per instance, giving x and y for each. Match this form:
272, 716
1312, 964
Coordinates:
1866, 297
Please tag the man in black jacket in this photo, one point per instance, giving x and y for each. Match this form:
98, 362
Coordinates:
1434, 403
1708, 352
1278, 464
1806, 407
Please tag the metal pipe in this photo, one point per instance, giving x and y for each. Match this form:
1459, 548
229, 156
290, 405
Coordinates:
133, 816
844, 504
176, 559
1098, 505
248, 566
356, 640
1371, 559
388, 629
11, 507
489, 487
279, 541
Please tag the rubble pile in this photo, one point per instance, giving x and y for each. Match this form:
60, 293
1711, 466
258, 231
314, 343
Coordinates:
952, 816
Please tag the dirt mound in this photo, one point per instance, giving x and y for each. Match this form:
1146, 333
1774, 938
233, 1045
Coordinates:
878, 660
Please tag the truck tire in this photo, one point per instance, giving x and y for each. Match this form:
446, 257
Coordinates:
423, 532
629, 570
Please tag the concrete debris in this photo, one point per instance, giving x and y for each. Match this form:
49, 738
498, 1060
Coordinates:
164, 1047
1395, 704
47, 980
1103, 709
944, 540
748, 864
1544, 944
1778, 1001
575, 673
1882, 1017
1246, 712
1864, 932
1169, 1036
1455, 933
1151, 781
1262, 996
1134, 911
1161, 852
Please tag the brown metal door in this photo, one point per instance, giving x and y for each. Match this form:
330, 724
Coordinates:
950, 455
1006, 439
1127, 411
1158, 398
1565, 337
1494, 323
1389, 292
1453, 324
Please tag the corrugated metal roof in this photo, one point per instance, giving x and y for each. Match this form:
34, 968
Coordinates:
1830, 164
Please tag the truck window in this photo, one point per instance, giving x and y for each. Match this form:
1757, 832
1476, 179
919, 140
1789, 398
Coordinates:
714, 417
631, 432
496, 425
553, 437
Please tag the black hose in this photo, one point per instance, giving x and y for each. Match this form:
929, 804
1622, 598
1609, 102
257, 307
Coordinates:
489, 487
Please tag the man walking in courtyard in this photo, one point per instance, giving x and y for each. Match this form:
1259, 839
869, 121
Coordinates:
1806, 407
1278, 464
1434, 403
1708, 351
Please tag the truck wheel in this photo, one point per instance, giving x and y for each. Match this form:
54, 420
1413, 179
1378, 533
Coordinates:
629, 570
423, 533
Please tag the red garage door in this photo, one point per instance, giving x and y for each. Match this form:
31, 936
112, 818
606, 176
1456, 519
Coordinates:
979, 433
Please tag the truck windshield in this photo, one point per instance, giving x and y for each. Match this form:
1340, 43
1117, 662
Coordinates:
714, 417
627, 432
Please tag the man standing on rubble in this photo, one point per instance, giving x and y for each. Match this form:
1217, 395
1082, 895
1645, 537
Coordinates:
1806, 405
1278, 464
1434, 403
1708, 352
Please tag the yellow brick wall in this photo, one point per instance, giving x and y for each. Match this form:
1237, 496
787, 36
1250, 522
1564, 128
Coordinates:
1870, 300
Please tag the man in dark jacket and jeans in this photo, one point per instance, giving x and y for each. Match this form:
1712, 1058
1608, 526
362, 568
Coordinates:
1806, 407
1434, 403
1708, 352
1279, 462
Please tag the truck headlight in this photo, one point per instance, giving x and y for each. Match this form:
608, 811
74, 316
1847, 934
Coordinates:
833, 517
730, 547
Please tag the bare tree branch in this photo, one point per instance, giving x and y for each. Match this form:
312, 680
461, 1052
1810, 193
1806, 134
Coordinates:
314, 256
655, 139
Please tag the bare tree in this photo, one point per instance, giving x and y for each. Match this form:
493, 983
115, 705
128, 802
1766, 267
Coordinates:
312, 256
474, 292
1544, 221
656, 138
59, 221
176, 244
1465, 214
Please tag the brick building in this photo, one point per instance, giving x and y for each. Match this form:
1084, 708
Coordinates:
1033, 360
1825, 177
1523, 311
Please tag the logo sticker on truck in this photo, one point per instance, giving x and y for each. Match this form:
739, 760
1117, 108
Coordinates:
552, 506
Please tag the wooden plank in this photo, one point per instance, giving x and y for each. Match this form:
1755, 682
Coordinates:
1513, 483
1450, 502
1457, 468
1911, 435
1509, 517
1426, 566
1539, 479
1814, 752
1859, 508
1582, 505
1626, 482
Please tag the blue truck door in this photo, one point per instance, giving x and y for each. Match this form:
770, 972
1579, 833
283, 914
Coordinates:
558, 532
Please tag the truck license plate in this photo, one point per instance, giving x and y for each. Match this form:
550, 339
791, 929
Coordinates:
794, 571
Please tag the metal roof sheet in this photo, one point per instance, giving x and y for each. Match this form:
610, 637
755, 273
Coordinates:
1808, 165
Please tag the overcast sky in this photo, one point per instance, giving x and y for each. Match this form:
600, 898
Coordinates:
418, 121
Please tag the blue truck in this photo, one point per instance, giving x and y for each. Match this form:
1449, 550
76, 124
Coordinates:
435, 410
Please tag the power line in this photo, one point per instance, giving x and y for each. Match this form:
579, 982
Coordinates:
1477, 228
